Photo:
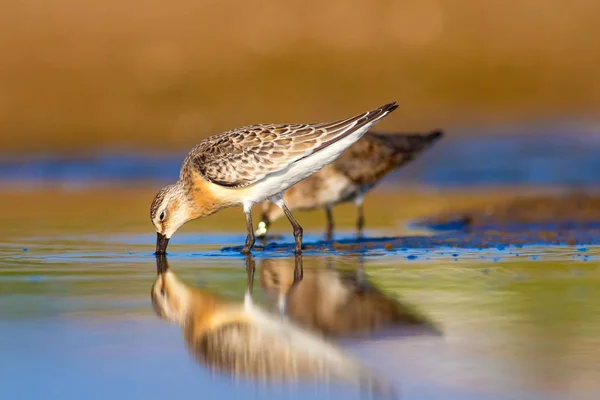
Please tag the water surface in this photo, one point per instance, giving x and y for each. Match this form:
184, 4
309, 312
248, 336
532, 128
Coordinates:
76, 319
76, 269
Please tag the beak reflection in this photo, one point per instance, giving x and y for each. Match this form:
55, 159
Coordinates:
161, 244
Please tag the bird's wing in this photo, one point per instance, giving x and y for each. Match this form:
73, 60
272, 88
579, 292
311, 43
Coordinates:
244, 156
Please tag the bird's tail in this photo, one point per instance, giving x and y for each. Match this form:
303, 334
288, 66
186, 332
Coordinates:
411, 143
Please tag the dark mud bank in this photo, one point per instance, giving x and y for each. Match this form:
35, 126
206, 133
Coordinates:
571, 219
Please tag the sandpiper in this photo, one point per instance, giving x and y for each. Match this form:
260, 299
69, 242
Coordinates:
350, 176
248, 342
250, 164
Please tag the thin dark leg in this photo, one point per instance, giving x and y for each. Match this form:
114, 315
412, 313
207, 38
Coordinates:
250, 238
329, 233
360, 221
297, 228
250, 267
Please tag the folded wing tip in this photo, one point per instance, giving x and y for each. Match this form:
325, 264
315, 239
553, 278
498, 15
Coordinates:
389, 107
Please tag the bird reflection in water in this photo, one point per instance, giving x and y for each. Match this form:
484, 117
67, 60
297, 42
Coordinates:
242, 340
340, 304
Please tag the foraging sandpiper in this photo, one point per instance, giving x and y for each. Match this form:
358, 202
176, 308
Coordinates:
250, 164
350, 176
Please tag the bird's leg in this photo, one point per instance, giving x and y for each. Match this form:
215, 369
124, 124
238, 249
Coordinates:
329, 232
297, 228
250, 267
360, 220
278, 199
250, 238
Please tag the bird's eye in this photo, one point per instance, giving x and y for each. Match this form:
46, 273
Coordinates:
163, 292
162, 216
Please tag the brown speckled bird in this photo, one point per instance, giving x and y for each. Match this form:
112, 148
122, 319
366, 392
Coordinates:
248, 165
350, 177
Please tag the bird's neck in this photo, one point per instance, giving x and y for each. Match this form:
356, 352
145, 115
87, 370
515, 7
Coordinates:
203, 198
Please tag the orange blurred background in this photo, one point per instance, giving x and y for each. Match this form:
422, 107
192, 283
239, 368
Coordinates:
157, 75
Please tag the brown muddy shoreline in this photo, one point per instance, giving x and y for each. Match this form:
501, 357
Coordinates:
574, 208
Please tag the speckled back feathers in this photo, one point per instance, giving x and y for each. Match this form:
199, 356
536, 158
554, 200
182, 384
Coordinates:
246, 155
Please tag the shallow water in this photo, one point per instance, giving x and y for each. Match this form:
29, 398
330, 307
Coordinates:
76, 319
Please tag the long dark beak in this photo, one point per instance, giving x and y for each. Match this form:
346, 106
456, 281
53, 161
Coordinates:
162, 265
161, 244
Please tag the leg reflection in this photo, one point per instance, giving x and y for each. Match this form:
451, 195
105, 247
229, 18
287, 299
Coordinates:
298, 276
360, 272
250, 267
298, 269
